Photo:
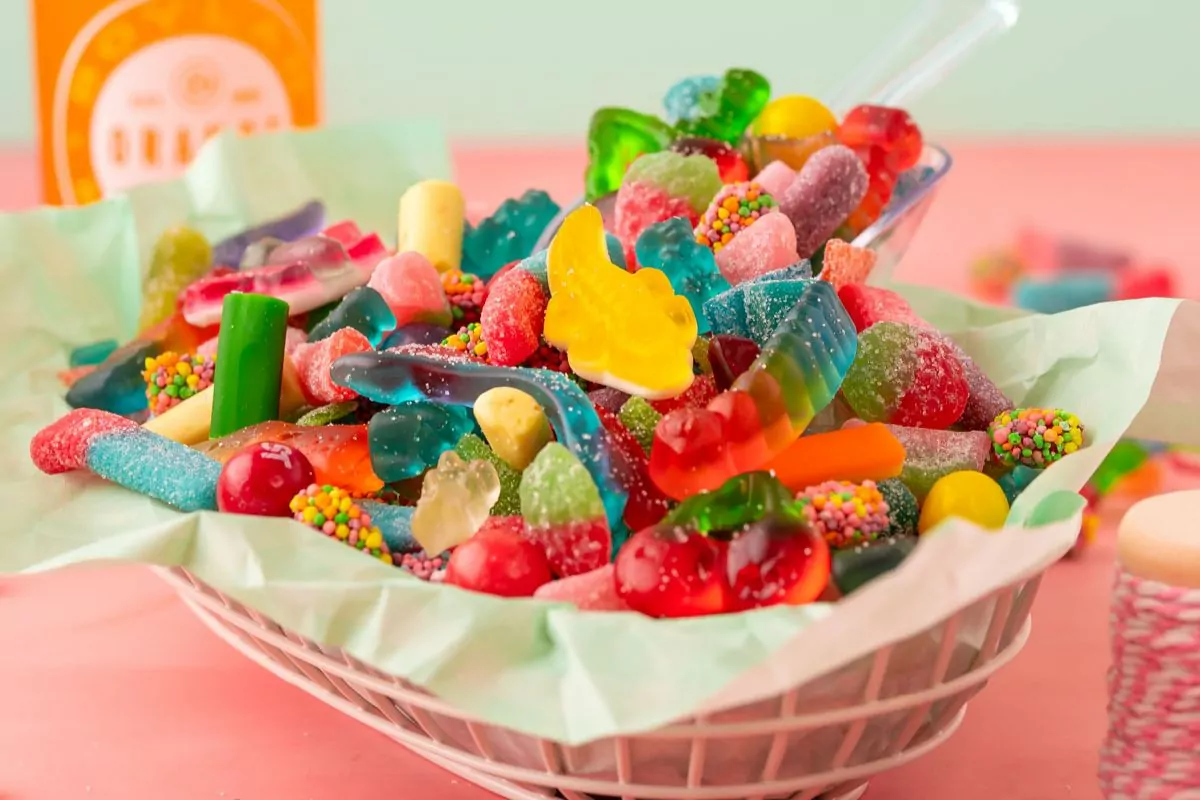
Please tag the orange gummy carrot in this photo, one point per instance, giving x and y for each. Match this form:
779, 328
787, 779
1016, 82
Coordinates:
862, 453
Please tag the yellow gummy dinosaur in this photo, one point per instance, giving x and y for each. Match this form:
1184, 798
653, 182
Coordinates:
626, 330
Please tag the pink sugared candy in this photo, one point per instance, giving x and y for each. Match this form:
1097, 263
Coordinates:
262, 479
845, 264
573, 547
313, 361
590, 591
639, 205
62, 445
767, 245
775, 178
498, 559
512, 318
867, 305
412, 288
830, 185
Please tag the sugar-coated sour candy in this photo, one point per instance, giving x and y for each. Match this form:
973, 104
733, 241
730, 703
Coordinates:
430, 222
903, 509
734, 209
499, 559
412, 289
846, 514
867, 305
931, 454
456, 499
262, 479
513, 423
513, 318
766, 246
658, 187
831, 184
796, 375
628, 331
563, 512
313, 362
180, 256
646, 504
967, 495
845, 264
616, 137
334, 513
906, 376
1034, 437
640, 418
731, 166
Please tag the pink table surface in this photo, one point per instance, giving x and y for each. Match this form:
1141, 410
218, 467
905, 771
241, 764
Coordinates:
109, 688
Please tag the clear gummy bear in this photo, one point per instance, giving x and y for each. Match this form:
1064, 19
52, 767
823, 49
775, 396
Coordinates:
456, 498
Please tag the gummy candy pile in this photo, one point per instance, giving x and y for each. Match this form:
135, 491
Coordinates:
703, 409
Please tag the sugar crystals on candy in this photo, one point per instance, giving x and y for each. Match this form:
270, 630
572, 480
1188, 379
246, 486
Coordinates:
766, 246
930, 454
829, 186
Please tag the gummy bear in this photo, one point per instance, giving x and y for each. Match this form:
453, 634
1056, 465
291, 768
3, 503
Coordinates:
931, 454
364, 310
563, 512
617, 136
658, 187
407, 439
671, 247
891, 130
629, 331
742, 96
181, 255
456, 499
510, 233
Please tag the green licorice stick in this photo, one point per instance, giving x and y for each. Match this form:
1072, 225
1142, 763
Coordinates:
249, 362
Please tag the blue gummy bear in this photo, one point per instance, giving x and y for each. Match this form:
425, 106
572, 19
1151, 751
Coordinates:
1016, 481
363, 309
304, 221
671, 246
1063, 292
157, 467
394, 522
692, 98
407, 439
397, 377
616, 252
117, 385
94, 353
768, 303
416, 333
509, 234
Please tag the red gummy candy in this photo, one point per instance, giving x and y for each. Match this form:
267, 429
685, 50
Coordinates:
499, 272
867, 305
891, 129
698, 395
777, 561
591, 591
573, 548
646, 505
312, 362
512, 318
730, 356
62, 445
367, 248
499, 559
638, 206
666, 571
938, 393
262, 479
1133, 284
346, 232
730, 164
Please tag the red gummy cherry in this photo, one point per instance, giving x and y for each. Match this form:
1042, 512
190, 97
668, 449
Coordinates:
499, 560
666, 571
261, 479
776, 561
730, 164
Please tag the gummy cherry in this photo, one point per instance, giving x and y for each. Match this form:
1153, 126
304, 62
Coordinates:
777, 560
262, 479
498, 559
730, 165
669, 571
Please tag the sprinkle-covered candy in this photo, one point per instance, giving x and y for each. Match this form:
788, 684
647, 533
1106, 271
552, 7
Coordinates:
467, 293
1034, 437
735, 208
468, 340
846, 514
334, 513
172, 378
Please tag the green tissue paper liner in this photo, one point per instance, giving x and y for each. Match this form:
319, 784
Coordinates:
72, 277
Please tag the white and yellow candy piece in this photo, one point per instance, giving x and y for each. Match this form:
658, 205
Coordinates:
431, 218
514, 424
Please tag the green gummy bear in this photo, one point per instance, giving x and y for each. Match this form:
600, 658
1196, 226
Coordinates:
694, 178
471, 448
739, 501
742, 97
556, 489
617, 136
640, 418
903, 511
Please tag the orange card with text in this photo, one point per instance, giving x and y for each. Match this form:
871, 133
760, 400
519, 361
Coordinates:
128, 90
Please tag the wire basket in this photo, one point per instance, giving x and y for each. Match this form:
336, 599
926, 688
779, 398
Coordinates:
822, 739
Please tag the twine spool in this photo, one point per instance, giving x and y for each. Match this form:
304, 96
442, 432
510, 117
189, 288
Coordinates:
1152, 750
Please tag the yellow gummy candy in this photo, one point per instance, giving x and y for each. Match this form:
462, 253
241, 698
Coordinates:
626, 330
967, 495
513, 423
795, 116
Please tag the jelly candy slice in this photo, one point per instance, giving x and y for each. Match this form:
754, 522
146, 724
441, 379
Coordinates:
181, 256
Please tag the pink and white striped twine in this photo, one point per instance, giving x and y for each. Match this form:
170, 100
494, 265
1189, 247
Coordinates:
1152, 751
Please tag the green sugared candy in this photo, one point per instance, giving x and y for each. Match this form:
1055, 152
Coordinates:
739, 501
855, 567
903, 510
694, 178
472, 448
327, 415
640, 418
557, 489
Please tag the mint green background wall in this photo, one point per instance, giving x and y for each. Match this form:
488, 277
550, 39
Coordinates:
538, 67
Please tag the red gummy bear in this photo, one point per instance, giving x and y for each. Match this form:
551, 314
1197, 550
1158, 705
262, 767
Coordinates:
891, 129
647, 505
499, 559
666, 571
512, 318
